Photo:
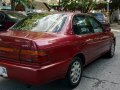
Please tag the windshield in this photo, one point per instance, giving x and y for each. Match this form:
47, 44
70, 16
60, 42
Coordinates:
40, 22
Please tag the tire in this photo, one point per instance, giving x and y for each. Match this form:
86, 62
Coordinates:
111, 52
74, 73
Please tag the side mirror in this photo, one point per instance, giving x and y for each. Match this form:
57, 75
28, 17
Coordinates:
106, 27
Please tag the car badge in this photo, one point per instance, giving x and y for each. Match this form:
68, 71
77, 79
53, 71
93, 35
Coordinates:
17, 40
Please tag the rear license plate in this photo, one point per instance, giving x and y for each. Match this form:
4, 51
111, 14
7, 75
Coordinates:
3, 72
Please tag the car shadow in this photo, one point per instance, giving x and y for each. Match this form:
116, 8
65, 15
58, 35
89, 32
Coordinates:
99, 64
7, 84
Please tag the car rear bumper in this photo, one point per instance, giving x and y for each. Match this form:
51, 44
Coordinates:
34, 76
22, 73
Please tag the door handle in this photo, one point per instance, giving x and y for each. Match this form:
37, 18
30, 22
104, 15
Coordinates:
96, 39
92, 40
89, 40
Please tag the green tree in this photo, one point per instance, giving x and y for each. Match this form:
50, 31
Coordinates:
82, 5
87, 5
27, 3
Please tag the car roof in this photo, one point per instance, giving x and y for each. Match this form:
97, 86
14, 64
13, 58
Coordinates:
96, 13
67, 13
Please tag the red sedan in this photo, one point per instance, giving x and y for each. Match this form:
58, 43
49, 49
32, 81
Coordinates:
47, 46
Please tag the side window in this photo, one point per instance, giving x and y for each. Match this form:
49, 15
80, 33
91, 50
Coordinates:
96, 26
80, 25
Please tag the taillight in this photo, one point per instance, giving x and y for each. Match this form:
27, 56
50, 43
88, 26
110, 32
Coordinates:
33, 56
31, 52
5, 49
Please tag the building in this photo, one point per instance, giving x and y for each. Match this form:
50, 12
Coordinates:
116, 10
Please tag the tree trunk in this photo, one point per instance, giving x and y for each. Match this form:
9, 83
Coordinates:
12, 5
59, 5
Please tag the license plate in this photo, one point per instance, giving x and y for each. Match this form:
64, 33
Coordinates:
3, 72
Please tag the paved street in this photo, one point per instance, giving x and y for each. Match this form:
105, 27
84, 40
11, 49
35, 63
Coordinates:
103, 74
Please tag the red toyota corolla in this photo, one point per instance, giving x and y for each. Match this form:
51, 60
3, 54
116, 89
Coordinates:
47, 46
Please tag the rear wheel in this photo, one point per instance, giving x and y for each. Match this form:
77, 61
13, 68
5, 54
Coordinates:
74, 73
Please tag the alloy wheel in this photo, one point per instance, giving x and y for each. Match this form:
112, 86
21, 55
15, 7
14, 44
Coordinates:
75, 72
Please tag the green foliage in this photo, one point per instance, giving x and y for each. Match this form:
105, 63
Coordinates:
82, 5
25, 2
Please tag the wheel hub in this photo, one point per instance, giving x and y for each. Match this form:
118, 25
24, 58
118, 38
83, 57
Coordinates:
75, 72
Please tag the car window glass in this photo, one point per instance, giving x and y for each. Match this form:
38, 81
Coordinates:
96, 26
99, 16
80, 25
41, 23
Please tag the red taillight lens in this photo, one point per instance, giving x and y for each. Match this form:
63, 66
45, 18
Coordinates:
9, 49
31, 52
6, 49
33, 56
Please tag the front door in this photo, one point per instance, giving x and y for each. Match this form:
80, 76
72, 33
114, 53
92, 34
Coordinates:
102, 38
87, 40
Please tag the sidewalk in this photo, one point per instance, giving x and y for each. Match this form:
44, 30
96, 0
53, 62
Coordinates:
115, 26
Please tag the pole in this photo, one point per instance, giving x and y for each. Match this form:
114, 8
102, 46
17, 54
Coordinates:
59, 5
12, 5
107, 6
108, 13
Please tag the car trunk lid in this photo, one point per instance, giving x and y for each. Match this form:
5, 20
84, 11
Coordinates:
22, 46
11, 46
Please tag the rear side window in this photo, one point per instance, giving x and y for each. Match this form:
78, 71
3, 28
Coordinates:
81, 25
95, 24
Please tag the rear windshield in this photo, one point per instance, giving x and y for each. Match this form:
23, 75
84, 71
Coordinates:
41, 23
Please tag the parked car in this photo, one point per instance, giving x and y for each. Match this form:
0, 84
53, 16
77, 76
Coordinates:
48, 46
9, 18
100, 17
5, 8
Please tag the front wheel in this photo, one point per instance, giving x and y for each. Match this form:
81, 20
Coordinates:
111, 52
74, 73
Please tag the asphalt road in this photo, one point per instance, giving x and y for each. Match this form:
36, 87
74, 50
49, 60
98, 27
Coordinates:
102, 74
